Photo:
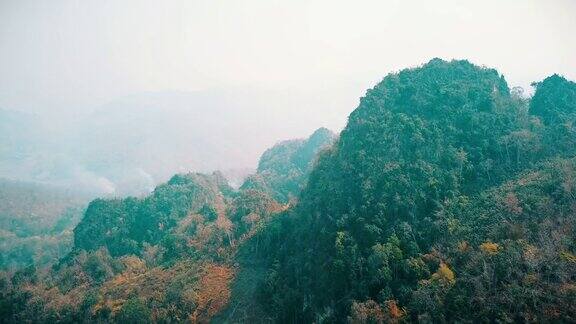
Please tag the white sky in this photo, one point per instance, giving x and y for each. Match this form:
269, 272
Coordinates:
73, 55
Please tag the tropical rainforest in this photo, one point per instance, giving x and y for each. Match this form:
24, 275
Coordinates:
448, 197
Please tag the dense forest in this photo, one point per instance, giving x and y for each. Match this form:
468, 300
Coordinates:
448, 197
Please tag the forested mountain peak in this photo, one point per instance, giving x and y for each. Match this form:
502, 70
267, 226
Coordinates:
371, 220
445, 123
299, 152
123, 226
436, 88
321, 135
554, 98
283, 169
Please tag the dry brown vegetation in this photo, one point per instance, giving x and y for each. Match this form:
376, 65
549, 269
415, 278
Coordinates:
213, 292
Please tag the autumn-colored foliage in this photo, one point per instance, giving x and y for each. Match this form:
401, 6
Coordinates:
444, 274
213, 292
394, 311
366, 312
489, 248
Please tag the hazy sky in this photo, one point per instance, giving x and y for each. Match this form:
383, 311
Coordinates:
74, 55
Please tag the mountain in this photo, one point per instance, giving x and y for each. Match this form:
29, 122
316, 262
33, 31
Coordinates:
283, 169
437, 203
